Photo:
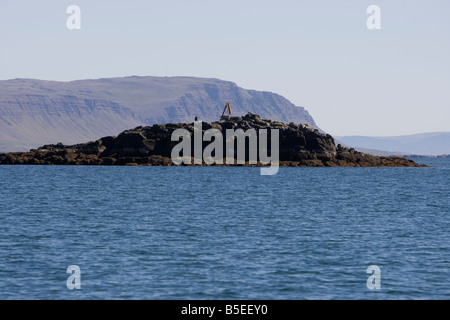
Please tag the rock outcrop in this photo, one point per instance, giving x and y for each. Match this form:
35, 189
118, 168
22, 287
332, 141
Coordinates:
300, 145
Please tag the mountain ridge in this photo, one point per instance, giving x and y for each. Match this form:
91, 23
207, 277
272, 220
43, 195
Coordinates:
121, 103
429, 143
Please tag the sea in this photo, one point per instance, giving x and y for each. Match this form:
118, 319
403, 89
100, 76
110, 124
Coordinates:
225, 233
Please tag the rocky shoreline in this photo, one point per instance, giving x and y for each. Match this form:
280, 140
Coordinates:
300, 146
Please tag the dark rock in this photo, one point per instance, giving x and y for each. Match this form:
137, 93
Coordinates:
108, 161
300, 146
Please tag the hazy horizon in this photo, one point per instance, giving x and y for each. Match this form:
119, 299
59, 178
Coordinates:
321, 55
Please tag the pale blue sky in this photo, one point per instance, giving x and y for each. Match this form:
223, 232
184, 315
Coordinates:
318, 54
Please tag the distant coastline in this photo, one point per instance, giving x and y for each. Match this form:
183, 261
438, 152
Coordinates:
426, 156
422, 144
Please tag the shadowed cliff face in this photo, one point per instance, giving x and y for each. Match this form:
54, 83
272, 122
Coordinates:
36, 112
300, 145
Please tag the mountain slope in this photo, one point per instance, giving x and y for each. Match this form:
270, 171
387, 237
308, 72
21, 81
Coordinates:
36, 112
28, 120
437, 143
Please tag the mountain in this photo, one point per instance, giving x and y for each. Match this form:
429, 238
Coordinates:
37, 112
437, 143
27, 120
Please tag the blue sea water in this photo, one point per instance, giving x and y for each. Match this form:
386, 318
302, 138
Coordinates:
224, 233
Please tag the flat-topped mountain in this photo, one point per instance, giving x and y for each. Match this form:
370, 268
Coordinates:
299, 145
37, 112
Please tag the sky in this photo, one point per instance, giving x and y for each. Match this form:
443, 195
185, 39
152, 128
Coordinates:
318, 54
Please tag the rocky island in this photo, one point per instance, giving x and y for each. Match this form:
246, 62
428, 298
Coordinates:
300, 146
